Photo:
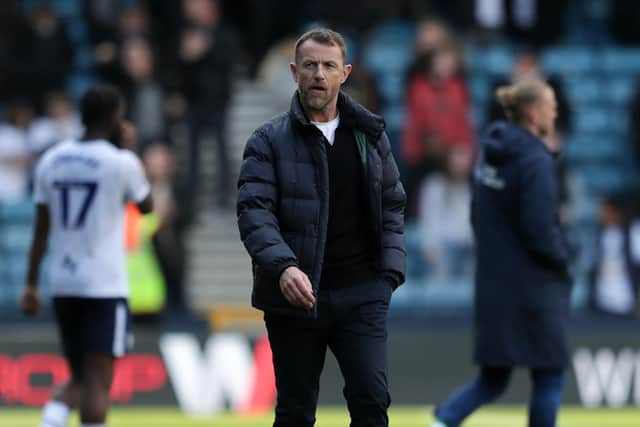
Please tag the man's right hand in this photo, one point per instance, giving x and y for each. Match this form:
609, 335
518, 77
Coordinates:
296, 288
30, 303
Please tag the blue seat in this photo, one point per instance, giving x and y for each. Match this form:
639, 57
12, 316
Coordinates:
620, 61
590, 120
583, 90
78, 31
78, 83
602, 180
83, 58
473, 58
20, 212
568, 60
392, 86
619, 90
479, 88
497, 60
17, 238
387, 57
394, 31
589, 149
394, 116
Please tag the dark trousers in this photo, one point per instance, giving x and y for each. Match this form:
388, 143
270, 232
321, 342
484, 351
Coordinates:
352, 323
213, 120
492, 382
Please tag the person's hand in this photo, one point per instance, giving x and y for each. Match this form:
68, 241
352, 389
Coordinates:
296, 288
30, 303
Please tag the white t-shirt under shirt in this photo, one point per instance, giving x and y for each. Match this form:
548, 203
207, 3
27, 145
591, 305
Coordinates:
328, 129
86, 186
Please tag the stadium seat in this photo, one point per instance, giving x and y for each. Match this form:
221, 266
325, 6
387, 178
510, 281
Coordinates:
601, 120
78, 83
620, 61
387, 57
83, 59
392, 86
394, 116
394, 31
590, 120
587, 149
602, 180
17, 238
619, 90
583, 90
78, 31
498, 60
479, 87
20, 212
568, 61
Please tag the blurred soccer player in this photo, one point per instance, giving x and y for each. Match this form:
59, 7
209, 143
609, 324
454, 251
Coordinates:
81, 189
522, 284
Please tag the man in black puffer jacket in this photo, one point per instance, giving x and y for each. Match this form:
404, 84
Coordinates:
321, 213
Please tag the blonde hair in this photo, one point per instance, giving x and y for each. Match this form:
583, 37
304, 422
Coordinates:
516, 98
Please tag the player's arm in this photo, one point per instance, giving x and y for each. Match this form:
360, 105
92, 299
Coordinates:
30, 303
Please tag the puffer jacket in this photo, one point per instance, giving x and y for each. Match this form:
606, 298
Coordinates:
283, 201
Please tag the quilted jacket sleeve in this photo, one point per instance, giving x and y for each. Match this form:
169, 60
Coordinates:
257, 208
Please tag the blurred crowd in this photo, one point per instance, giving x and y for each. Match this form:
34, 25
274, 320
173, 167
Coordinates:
175, 61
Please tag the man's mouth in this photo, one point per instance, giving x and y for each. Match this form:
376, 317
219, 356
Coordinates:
317, 89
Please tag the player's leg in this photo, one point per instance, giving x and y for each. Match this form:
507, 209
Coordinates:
65, 398
105, 338
360, 346
97, 377
299, 347
545, 398
489, 385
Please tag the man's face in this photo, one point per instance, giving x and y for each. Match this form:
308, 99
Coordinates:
545, 113
319, 72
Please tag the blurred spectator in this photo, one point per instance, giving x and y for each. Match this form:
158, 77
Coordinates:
206, 56
624, 22
133, 22
361, 86
15, 155
102, 17
145, 97
44, 57
13, 27
634, 123
60, 122
537, 22
437, 116
431, 34
614, 275
275, 73
526, 66
443, 217
168, 241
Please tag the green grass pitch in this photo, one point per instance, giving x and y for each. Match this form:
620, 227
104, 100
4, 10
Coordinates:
414, 416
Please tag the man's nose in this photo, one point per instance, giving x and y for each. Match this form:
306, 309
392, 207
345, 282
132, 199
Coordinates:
319, 73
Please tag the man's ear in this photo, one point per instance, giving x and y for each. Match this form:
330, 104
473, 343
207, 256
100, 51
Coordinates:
345, 73
294, 71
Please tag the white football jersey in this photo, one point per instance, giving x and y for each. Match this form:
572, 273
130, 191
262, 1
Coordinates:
86, 185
